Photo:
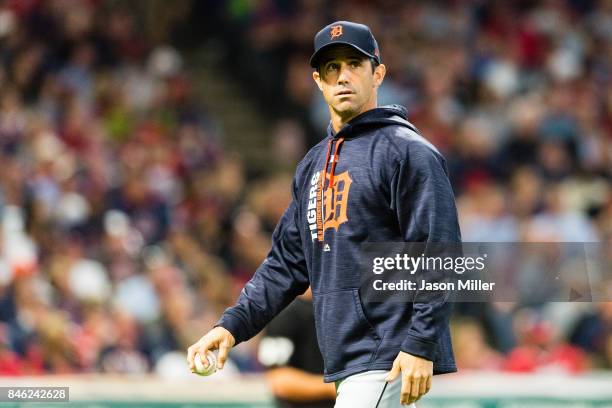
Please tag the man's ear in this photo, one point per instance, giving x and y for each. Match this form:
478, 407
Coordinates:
317, 78
379, 74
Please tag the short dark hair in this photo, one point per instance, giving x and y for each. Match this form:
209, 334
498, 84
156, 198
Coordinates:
375, 63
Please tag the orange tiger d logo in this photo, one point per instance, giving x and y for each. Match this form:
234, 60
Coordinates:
329, 209
336, 201
336, 31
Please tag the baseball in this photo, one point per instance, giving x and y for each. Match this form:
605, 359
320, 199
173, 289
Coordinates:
200, 369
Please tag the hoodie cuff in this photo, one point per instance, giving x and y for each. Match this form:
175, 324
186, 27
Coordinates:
420, 347
234, 325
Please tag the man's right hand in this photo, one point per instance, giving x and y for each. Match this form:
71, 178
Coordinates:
218, 338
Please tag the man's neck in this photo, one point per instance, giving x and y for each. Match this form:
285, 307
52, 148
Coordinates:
339, 121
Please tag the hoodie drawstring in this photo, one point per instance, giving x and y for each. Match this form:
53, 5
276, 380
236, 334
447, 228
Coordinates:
321, 187
334, 161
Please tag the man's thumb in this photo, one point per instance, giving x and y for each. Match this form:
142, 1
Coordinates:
395, 371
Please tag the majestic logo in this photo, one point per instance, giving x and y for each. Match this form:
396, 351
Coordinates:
335, 31
333, 208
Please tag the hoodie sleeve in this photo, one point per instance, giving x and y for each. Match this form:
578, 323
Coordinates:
278, 280
424, 202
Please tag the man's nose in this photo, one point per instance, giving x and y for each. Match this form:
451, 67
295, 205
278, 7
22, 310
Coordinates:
343, 75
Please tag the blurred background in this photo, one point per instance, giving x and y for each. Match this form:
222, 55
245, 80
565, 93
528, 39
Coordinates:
147, 150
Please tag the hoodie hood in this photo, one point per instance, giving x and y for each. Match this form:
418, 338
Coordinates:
377, 117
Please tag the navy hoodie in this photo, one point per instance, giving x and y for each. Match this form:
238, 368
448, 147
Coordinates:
383, 182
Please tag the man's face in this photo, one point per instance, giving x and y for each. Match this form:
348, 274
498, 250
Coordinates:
347, 80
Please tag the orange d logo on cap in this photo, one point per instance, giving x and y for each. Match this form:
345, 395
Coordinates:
348, 33
335, 31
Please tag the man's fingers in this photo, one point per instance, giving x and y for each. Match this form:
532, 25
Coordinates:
191, 356
217, 338
395, 371
405, 393
202, 349
423, 388
415, 388
224, 348
418, 387
416, 375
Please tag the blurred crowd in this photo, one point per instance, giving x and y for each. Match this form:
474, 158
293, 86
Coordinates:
127, 227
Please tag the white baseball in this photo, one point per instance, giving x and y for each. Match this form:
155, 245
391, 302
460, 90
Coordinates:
200, 369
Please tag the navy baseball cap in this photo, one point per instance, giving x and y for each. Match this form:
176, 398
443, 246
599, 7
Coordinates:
356, 35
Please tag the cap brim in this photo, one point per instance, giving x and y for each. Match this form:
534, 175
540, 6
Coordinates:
317, 54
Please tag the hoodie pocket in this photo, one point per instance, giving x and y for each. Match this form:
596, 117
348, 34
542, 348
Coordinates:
346, 338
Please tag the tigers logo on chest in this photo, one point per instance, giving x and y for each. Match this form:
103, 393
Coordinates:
328, 209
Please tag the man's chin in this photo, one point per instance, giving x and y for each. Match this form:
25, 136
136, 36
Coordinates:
345, 109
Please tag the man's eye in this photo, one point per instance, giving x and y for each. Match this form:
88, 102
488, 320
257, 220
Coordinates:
332, 67
355, 64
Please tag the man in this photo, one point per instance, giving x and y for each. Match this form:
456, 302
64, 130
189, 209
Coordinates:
294, 366
372, 179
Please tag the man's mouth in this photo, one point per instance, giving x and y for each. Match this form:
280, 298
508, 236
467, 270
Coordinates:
341, 93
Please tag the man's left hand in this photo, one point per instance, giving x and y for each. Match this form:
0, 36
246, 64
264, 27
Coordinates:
416, 376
